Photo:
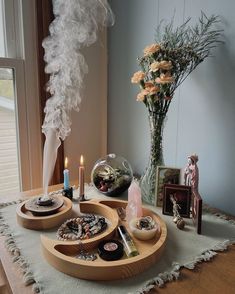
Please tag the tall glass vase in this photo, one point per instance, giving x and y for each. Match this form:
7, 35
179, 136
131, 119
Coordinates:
148, 180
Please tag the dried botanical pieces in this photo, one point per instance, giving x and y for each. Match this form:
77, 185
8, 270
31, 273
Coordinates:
83, 227
145, 223
112, 175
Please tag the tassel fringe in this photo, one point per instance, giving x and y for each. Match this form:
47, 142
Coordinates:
206, 255
174, 274
11, 246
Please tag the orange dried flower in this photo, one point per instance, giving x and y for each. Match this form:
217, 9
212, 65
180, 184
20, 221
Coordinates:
137, 77
141, 95
164, 79
151, 49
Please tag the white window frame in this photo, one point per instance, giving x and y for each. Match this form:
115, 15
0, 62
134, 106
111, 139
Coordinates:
22, 46
13, 28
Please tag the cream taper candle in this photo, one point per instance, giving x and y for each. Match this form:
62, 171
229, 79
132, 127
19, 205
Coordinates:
81, 174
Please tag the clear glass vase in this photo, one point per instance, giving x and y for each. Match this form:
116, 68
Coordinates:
148, 180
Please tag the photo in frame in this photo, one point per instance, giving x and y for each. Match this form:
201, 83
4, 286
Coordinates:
182, 195
165, 175
197, 211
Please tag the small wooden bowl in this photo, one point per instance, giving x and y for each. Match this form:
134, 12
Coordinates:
29, 221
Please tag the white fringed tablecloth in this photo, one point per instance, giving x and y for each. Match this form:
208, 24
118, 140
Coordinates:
183, 249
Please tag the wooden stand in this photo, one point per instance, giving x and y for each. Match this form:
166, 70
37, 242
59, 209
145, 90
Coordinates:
62, 255
29, 221
33, 206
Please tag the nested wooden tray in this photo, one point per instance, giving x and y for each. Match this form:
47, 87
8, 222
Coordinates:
29, 221
62, 255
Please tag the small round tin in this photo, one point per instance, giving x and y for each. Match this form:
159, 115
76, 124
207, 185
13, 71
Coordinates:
110, 250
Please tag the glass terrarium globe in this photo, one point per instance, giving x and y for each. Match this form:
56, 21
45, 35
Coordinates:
112, 175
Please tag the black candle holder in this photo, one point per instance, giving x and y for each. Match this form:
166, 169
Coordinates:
68, 193
83, 198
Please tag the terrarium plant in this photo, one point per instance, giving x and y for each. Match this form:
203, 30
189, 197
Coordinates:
112, 175
164, 66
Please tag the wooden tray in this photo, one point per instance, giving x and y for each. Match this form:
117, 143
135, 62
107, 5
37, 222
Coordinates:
29, 221
62, 255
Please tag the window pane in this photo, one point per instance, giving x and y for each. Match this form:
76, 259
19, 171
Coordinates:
9, 167
2, 32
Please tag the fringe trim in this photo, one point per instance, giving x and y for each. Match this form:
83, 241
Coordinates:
174, 274
161, 279
206, 255
28, 277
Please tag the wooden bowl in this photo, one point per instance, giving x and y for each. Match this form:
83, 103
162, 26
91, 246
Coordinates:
29, 221
62, 255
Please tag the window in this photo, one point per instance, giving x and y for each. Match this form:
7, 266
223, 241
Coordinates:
9, 165
19, 101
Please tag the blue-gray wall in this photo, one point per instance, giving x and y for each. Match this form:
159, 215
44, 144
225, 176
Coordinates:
201, 118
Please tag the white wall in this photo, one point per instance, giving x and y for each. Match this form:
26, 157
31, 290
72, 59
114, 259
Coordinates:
201, 117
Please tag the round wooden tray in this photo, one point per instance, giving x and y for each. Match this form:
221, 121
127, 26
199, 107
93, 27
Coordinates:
62, 255
29, 221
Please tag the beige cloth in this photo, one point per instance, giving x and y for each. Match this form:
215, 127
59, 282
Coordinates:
182, 247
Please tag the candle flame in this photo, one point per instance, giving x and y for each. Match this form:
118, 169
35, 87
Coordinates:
81, 160
66, 162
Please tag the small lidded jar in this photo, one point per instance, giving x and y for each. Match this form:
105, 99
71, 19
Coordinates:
110, 250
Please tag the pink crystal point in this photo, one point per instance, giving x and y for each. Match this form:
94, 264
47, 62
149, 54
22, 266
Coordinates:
134, 206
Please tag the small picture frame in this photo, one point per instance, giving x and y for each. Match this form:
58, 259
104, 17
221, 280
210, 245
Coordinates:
165, 175
197, 211
182, 195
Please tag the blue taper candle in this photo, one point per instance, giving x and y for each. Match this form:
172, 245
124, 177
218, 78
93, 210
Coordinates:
66, 175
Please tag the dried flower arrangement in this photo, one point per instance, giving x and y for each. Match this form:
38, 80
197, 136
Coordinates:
165, 65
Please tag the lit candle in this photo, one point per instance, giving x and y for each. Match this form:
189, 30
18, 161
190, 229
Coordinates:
66, 174
81, 177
